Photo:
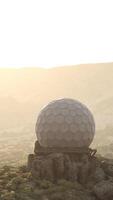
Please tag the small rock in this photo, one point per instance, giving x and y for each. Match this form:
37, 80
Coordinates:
104, 190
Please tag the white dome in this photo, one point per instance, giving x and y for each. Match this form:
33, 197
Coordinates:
65, 123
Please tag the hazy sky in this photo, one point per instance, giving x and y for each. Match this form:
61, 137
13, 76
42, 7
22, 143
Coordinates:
48, 33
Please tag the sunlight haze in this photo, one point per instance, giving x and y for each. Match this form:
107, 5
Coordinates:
56, 99
49, 33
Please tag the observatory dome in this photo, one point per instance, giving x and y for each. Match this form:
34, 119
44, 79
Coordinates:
65, 123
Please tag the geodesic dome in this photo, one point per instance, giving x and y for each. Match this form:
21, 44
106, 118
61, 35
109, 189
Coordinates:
65, 123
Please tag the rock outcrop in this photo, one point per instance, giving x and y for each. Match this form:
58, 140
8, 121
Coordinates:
73, 164
94, 181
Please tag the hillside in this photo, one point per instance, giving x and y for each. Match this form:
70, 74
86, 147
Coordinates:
24, 91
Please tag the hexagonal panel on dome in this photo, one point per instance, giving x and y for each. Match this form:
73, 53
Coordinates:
65, 123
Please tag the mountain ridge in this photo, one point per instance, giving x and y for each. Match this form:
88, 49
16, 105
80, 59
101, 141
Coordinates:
30, 89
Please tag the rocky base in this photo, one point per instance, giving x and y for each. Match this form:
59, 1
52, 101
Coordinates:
54, 164
19, 184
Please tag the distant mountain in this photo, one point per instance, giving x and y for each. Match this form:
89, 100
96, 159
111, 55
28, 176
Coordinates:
24, 91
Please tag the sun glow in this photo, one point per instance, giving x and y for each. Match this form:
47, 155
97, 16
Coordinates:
49, 33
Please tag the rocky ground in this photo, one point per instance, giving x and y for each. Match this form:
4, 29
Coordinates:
18, 184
